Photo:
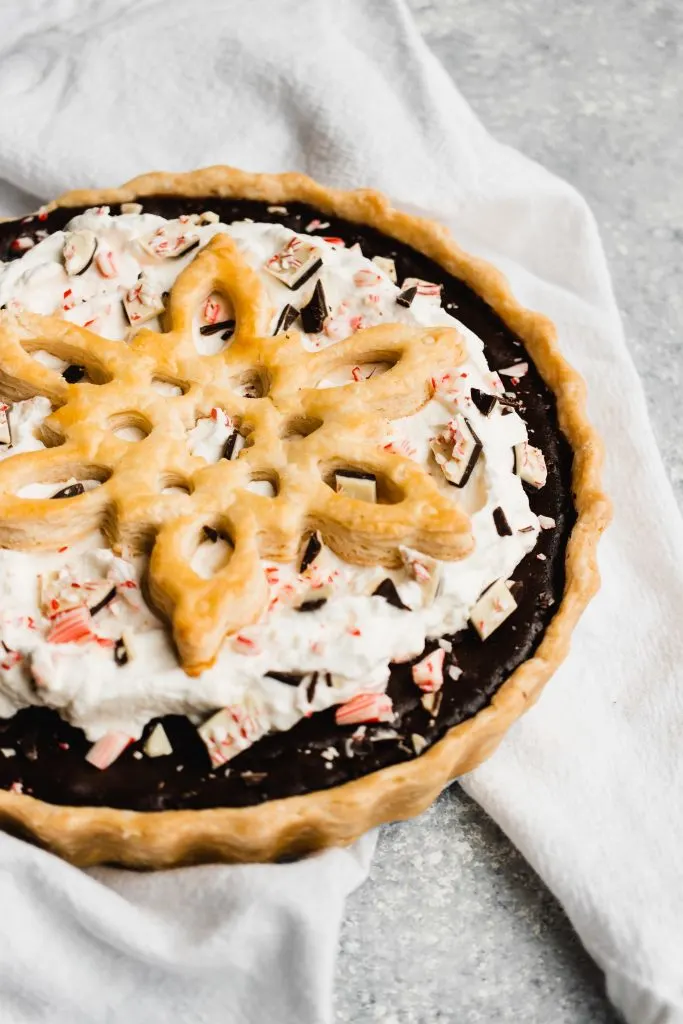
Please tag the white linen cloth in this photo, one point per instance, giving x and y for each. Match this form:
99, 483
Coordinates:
588, 784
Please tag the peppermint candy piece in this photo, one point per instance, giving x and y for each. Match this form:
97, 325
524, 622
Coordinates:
229, 731
107, 749
530, 464
158, 743
294, 264
79, 251
428, 673
425, 289
365, 707
456, 450
494, 606
5, 435
72, 627
354, 483
169, 241
142, 303
386, 264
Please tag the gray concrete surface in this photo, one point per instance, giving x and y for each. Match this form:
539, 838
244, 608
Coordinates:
453, 926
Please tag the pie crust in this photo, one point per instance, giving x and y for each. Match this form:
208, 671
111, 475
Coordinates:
299, 825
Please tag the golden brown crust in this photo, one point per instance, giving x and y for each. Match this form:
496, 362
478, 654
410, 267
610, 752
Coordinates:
302, 824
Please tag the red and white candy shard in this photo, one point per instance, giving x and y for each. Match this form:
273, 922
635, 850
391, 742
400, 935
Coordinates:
424, 569
142, 302
72, 627
492, 609
169, 240
5, 436
106, 263
456, 450
79, 251
229, 731
428, 673
107, 749
365, 707
518, 370
530, 464
427, 289
295, 263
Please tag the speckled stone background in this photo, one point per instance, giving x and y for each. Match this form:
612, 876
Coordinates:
453, 926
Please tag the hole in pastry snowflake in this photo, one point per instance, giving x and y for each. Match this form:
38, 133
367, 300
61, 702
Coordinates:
266, 483
213, 552
64, 481
300, 426
173, 483
252, 383
214, 325
130, 426
346, 374
170, 387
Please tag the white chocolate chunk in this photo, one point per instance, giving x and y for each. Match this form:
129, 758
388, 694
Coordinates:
419, 742
492, 609
387, 265
426, 289
158, 743
456, 450
425, 570
131, 207
518, 370
295, 263
79, 251
142, 302
168, 241
208, 217
360, 487
530, 464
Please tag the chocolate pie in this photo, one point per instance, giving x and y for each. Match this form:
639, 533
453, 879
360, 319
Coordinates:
298, 510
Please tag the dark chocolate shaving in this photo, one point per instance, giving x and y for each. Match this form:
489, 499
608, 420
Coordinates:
286, 318
312, 606
229, 446
290, 678
356, 474
107, 599
72, 491
120, 652
388, 591
501, 523
406, 297
311, 551
314, 312
222, 325
306, 276
482, 401
74, 374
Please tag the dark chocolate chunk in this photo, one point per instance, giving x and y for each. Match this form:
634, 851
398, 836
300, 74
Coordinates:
501, 523
73, 374
107, 599
314, 312
229, 446
72, 491
406, 297
222, 325
286, 318
211, 534
388, 591
483, 402
290, 678
312, 606
120, 652
311, 551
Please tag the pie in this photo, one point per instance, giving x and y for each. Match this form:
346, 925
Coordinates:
298, 510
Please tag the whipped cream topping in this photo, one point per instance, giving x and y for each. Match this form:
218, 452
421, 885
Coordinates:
342, 647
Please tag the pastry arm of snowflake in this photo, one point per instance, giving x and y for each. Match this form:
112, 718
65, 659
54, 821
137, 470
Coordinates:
297, 435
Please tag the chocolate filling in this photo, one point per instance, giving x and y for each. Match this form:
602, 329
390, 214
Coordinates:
49, 759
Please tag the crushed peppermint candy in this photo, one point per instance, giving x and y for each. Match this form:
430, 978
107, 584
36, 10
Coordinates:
426, 289
428, 673
107, 749
365, 707
229, 731
517, 371
294, 264
494, 606
72, 627
530, 464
